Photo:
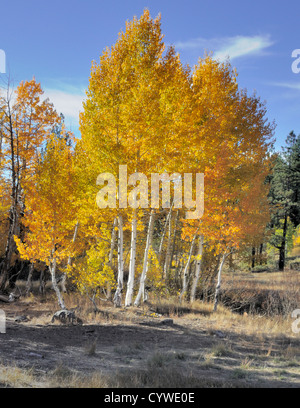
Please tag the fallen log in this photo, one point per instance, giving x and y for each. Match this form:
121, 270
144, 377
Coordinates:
9, 299
5, 299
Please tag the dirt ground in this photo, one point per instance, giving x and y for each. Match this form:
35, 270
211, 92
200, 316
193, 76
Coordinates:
122, 341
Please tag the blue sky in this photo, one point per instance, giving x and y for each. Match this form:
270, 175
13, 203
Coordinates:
56, 41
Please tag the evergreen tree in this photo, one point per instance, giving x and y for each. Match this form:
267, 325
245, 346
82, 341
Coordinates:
284, 195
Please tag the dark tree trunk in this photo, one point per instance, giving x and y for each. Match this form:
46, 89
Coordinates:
281, 262
13, 214
10, 248
261, 254
253, 257
14, 272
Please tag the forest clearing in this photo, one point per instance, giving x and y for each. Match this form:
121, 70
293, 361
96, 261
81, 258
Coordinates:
160, 345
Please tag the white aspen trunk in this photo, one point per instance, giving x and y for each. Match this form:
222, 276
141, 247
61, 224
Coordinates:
198, 269
218, 287
174, 238
163, 234
186, 270
111, 253
64, 278
130, 284
118, 293
168, 252
52, 268
113, 242
141, 292
73, 240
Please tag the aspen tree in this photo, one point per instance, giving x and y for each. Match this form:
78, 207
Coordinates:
26, 120
50, 215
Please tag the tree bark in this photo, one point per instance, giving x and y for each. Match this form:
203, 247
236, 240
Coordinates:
64, 277
218, 287
261, 247
130, 283
174, 238
113, 243
52, 268
253, 257
111, 254
164, 234
186, 271
141, 292
168, 252
198, 269
13, 214
281, 262
10, 247
118, 293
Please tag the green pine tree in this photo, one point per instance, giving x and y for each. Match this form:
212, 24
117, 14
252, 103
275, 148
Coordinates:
284, 195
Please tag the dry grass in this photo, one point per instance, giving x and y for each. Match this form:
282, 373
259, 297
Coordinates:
225, 320
286, 282
220, 350
153, 376
15, 377
251, 325
235, 350
259, 326
264, 280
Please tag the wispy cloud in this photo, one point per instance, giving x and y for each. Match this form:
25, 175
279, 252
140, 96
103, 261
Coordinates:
70, 104
198, 43
232, 47
240, 46
289, 85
